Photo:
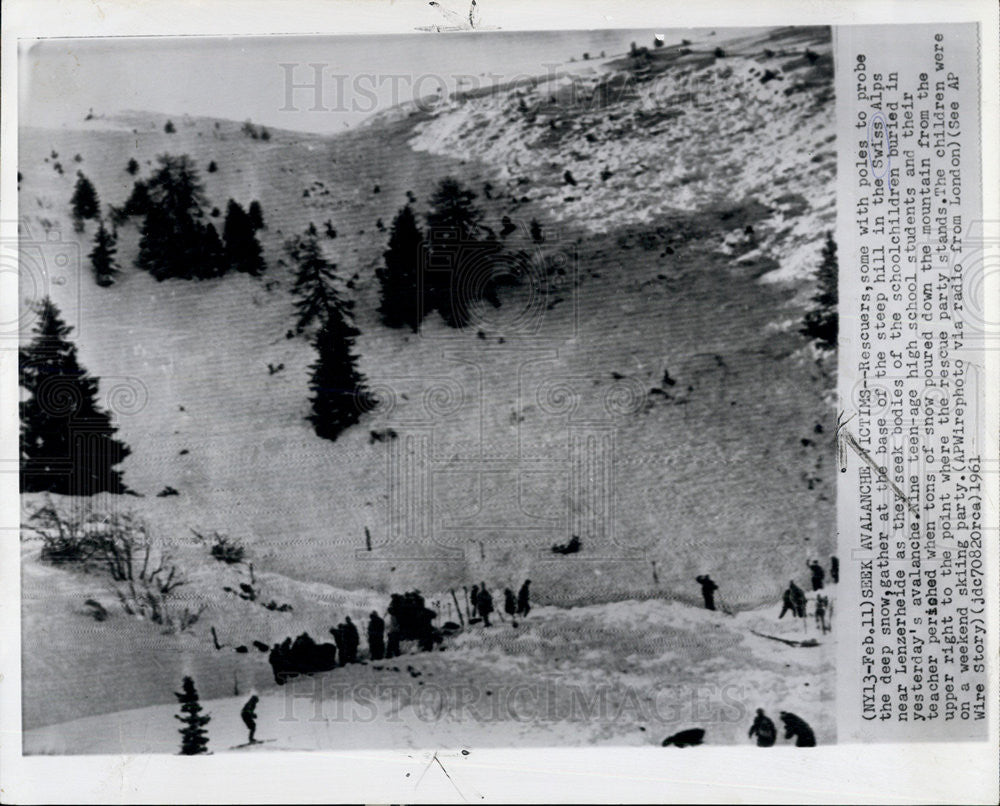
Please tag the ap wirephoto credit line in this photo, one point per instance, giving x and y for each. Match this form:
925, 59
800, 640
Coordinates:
459, 390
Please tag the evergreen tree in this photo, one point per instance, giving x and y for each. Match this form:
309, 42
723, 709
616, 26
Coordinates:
67, 441
194, 737
137, 203
171, 243
402, 305
256, 215
169, 127
338, 393
315, 296
821, 323
243, 251
102, 257
458, 273
132, 167
84, 202
214, 261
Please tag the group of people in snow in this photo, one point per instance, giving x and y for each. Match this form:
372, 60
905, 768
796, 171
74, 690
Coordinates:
481, 602
795, 728
794, 598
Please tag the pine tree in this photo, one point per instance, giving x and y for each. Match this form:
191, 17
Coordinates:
821, 323
132, 167
194, 737
102, 257
214, 262
84, 202
256, 215
243, 251
171, 242
67, 441
459, 271
402, 305
315, 295
338, 393
137, 203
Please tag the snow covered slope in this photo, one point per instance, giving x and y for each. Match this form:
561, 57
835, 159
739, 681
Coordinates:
671, 312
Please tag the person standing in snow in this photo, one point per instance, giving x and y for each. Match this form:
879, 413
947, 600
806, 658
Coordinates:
249, 716
376, 636
834, 570
763, 728
485, 603
509, 603
797, 728
708, 589
340, 640
474, 601
352, 640
818, 574
822, 603
788, 601
523, 599
392, 642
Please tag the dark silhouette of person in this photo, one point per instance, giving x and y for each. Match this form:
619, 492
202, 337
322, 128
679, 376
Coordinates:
796, 727
788, 602
799, 597
392, 640
509, 602
818, 574
524, 599
708, 589
485, 603
763, 728
822, 605
340, 640
834, 570
249, 715
376, 636
352, 640
474, 600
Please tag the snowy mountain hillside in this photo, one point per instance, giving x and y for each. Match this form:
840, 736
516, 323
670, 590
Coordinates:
642, 383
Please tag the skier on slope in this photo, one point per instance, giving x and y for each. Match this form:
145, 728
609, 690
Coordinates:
249, 716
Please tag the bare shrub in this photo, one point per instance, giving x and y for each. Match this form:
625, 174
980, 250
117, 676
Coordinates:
144, 577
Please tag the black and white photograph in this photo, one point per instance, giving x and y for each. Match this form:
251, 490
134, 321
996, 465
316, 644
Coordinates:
613, 389
480, 393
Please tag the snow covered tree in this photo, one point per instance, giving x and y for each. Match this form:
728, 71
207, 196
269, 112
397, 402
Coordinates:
172, 242
338, 393
84, 201
67, 441
194, 737
102, 257
243, 251
402, 305
821, 323
313, 290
